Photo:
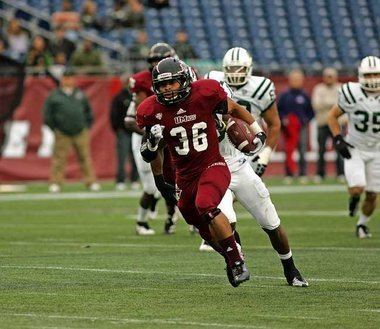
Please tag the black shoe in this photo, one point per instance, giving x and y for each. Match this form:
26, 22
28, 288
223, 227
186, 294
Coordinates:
362, 232
230, 277
353, 206
295, 279
238, 273
169, 227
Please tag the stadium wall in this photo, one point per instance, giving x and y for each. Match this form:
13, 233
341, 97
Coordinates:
28, 147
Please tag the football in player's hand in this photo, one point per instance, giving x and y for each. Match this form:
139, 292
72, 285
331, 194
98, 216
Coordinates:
240, 135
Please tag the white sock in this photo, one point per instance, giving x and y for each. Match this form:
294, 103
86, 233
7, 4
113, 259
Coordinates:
142, 215
285, 256
363, 219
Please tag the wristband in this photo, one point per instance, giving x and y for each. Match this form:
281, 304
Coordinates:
256, 128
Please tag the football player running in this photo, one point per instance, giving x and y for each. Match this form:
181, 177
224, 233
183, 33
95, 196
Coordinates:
246, 184
182, 116
361, 147
256, 94
140, 85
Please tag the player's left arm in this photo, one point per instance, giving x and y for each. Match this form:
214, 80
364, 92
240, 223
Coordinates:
273, 122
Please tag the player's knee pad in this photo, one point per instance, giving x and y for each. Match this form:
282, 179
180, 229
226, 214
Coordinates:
209, 215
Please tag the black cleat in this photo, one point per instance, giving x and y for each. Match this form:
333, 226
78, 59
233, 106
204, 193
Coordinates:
295, 279
353, 205
231, 277
238, 273
362, 232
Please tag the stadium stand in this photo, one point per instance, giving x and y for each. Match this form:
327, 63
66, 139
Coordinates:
279, 33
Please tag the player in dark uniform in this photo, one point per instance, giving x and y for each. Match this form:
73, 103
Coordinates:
182, 115
140, 85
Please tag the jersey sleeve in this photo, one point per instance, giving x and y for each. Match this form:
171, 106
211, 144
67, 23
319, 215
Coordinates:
265, 96
345, 97
144, 117
137, 83
215, 96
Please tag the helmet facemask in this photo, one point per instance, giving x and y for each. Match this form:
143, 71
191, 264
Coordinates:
369, 74
237, 75
237, 66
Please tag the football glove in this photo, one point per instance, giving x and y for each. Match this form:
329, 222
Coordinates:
260, 161
342, 147
154, 137
167, 190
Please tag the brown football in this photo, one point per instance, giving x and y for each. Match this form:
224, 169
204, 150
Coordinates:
240, 135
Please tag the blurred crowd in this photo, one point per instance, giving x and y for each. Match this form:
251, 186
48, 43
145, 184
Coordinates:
65, 48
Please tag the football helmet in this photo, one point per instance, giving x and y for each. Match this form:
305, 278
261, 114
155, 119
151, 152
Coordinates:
237, 66
369, 73
171, 69
160, 51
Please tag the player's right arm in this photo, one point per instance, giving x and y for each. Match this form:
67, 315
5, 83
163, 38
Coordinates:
332, 120
341, 146
152, 146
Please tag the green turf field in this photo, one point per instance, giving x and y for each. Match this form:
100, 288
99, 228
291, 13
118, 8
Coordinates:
75, 262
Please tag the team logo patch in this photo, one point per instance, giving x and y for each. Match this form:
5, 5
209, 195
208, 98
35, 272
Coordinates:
159, 116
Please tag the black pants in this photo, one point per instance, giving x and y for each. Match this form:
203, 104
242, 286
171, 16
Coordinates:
323, 134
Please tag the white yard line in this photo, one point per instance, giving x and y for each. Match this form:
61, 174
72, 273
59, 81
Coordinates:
373, 311
169, 246
136, 321
134, 194
106, 270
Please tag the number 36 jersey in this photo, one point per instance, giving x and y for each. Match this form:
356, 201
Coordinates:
363, 110
189, 127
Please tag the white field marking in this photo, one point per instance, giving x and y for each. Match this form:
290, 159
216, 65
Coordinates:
170, 321
135, 194
106, 270
169, 246
130, 320
240, 215
374, 311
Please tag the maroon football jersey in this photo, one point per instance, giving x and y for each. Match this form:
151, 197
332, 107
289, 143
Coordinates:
141, 81
189, 127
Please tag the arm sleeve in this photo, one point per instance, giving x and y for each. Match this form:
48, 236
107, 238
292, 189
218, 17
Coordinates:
345, 99
143, 119
217, 98
266, 98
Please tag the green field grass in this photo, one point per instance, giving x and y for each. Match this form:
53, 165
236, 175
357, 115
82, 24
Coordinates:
76, 263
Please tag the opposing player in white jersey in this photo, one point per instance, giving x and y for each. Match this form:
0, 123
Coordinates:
361, 147
247, 186
256, 93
